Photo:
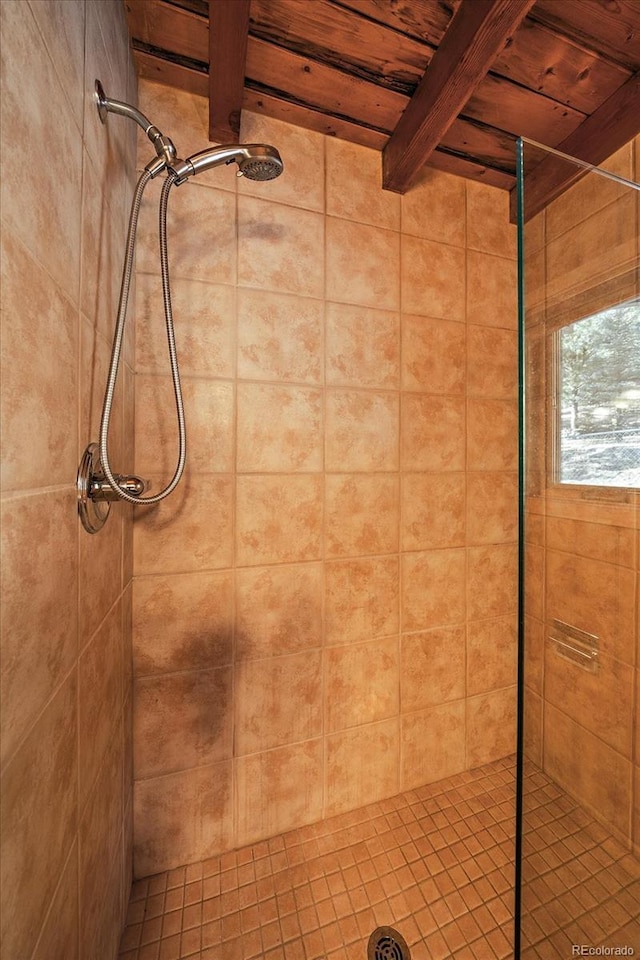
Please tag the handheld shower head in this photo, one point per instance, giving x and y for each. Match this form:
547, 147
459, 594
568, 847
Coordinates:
257, 161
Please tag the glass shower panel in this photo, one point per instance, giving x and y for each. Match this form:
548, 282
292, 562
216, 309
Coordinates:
579, 893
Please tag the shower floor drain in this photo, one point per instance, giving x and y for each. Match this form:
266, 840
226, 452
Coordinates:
385, 943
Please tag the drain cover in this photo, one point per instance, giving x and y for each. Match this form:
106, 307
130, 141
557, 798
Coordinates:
385, 943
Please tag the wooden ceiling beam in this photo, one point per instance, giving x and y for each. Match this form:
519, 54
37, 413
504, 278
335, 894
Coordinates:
475, 36
228, 33
611, 126
172, 74
609, 28
470, 168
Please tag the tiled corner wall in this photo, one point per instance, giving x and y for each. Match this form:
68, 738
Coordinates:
325, 611
583, 545
66, 596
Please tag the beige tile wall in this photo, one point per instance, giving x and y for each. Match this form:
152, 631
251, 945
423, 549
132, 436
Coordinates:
66, 803
583, 552
325, 613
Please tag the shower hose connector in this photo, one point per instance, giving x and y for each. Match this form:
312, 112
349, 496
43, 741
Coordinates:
95, 492
101, 489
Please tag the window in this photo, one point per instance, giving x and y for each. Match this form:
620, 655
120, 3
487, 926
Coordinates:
598, 427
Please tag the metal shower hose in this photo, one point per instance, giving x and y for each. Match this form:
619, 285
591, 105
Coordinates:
119, 334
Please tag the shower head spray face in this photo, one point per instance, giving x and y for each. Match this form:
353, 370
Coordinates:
257, 161
263, 164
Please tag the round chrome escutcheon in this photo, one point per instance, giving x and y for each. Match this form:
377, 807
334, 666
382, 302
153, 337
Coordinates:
93, 513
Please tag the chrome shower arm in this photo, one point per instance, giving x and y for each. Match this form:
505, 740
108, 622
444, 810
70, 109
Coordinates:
106, 105
163, 145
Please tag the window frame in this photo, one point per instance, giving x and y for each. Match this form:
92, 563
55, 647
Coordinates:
555, 485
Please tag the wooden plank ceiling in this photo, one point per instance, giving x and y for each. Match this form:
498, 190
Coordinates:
450, 83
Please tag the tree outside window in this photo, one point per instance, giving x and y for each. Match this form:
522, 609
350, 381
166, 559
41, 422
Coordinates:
599, 364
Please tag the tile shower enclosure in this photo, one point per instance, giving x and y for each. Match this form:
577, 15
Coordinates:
349, 368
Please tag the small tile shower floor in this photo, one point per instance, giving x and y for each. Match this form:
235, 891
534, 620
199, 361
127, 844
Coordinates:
580, 886
436, 863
